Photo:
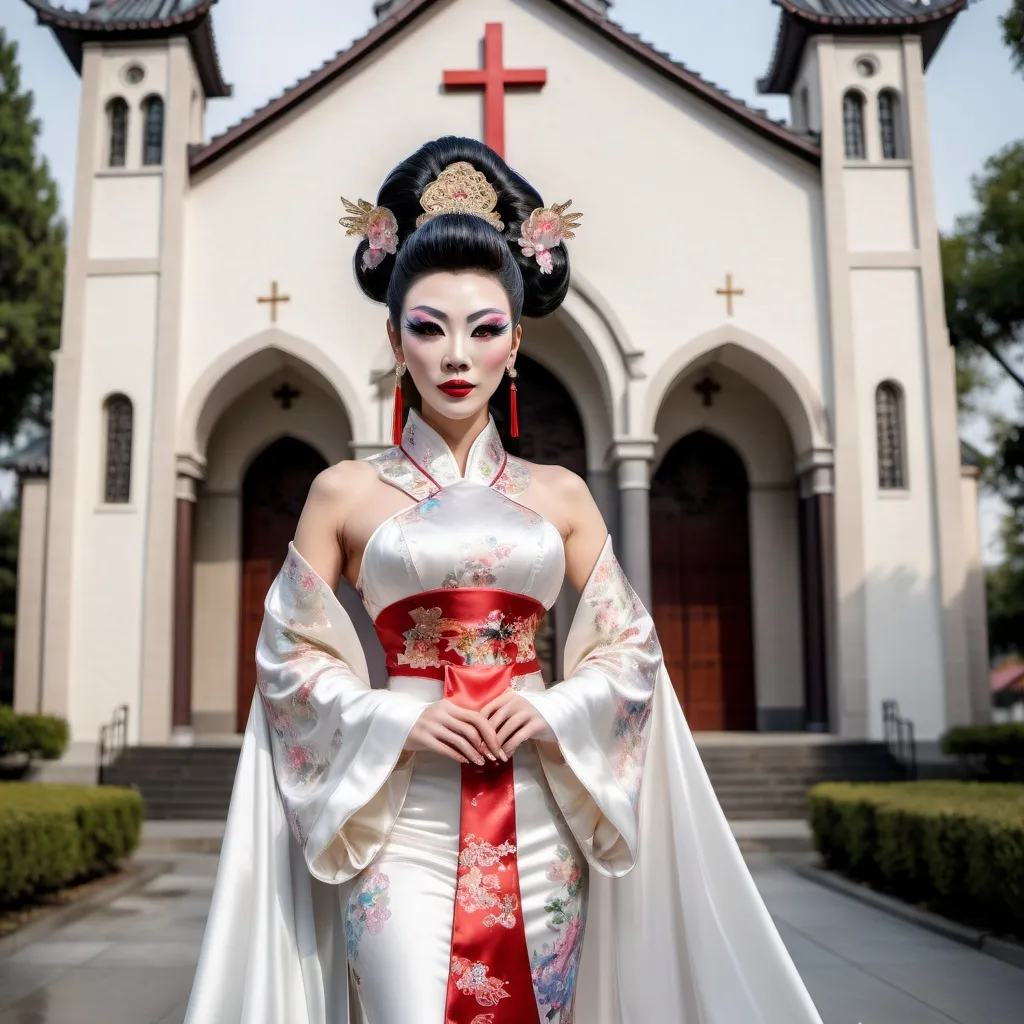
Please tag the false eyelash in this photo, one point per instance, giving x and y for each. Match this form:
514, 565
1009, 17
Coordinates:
427, 328
492, 330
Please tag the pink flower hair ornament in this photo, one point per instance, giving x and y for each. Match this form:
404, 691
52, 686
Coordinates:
544, 229
377, 224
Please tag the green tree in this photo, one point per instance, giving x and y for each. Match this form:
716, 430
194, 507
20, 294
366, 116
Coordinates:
8, 569
1006, 581
31, 257
1013, 32
31, 292
983, 269
983, 266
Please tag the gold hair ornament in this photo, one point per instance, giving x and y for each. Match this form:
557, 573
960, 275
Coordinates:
544, 229
460, 188
375, 223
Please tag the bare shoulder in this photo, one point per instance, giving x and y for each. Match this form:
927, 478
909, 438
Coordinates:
565, 498
343, 482
561, 483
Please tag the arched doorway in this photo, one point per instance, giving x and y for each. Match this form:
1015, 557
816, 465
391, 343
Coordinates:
551, 433
273, 494
701, 581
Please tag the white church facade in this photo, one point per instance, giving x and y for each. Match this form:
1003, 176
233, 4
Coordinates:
752, 369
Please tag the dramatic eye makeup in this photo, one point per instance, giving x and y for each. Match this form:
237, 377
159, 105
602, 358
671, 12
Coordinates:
492, 327
423, 327
490, 323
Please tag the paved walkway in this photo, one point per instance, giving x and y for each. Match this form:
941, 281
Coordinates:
131, 962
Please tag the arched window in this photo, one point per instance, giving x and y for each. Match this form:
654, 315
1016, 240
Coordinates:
153, 135
888, 120
119, 449
853, 125
117, 119
889, 425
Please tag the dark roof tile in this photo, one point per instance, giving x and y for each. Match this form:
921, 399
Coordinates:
138, 19
138, 10
31, 459
802, 19
866, 10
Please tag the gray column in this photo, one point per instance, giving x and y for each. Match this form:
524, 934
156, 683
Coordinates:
603, 486
189, 472
634, 458
817, 543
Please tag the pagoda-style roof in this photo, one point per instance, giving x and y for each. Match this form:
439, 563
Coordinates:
805, 146
801, 19
130, 20
31, 459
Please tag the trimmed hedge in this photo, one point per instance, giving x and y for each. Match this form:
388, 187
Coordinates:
36, 735
52, 836
956, 846
996, 750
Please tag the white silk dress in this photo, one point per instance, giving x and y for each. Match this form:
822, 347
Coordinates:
343, 867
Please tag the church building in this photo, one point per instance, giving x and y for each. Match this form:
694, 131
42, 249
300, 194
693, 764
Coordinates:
752, 368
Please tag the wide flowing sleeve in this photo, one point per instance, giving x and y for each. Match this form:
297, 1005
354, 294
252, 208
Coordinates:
600, 714
336, 742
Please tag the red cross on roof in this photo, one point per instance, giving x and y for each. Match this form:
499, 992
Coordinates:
494, 77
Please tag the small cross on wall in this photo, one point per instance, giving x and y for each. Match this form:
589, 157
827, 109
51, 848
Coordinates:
707, 389
728, 291
273, 298
285, 394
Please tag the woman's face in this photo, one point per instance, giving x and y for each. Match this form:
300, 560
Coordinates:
456, 338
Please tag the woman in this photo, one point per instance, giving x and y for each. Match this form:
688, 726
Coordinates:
471, 845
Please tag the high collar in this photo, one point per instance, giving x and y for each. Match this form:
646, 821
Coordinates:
431, 454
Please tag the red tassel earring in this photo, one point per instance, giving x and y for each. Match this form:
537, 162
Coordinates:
396, 423
513, 418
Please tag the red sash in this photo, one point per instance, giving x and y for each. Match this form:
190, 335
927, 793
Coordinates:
445, 635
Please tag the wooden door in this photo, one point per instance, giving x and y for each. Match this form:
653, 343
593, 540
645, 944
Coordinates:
273, 494
700, 567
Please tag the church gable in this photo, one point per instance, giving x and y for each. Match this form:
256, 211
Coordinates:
411, 14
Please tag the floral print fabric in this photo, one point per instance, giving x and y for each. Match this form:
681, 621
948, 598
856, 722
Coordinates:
613, 658
498, 639
556, 964
323, 715
367, 910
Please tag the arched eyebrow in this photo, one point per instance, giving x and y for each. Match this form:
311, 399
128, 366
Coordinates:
471, 319
431, 311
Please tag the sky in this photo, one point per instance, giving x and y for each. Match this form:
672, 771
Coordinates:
976, 100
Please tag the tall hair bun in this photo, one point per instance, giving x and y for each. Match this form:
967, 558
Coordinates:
517, 199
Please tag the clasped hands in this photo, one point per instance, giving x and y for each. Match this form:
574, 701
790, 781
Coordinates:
492, 733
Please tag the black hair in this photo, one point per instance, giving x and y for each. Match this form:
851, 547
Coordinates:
460, 241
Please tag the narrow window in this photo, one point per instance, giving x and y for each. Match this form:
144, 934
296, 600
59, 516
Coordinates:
119, 449
889, 424
117, 115
853, 125
153, 136
888, 119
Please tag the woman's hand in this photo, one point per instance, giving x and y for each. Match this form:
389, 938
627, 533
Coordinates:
516, 720
456, 732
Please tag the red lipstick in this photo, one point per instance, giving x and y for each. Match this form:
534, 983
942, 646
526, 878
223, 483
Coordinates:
456, 388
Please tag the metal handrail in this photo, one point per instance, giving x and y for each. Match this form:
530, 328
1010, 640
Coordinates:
899, 737
113, 740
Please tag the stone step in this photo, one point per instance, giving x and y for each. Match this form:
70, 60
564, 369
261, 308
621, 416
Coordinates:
768, 781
